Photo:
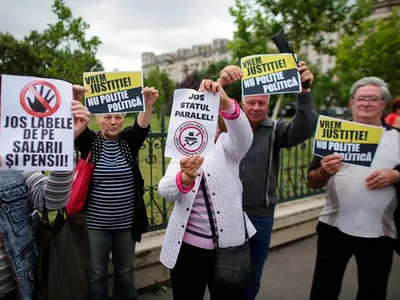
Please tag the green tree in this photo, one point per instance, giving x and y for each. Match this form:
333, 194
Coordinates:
192, 81
61, 51
304, 21
168, 86
18, 57
372, 51
153, 79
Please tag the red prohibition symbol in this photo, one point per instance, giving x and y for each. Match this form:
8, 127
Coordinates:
40, 106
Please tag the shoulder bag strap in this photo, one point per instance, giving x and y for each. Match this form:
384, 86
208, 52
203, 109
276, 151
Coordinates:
210, 216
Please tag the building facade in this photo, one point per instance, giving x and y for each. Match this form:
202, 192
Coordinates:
183, 62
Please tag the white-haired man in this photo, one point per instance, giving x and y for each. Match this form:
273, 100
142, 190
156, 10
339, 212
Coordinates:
357, 218
259, 168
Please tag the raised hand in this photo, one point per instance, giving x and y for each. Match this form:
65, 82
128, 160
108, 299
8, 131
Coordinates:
150, 96
215, 87
229, 75
190, 168
81, 117
331, 164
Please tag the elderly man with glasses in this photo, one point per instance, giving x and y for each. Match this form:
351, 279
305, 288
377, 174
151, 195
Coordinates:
357, 218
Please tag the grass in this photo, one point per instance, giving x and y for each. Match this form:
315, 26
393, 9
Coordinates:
291, 180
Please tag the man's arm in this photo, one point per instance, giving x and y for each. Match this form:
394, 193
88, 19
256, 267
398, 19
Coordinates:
316, 177
303, 125
322, 169
53, 191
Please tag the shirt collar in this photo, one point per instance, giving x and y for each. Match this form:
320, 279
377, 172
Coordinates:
267, 122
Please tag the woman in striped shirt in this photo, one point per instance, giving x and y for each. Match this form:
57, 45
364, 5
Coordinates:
188, 248
115, 210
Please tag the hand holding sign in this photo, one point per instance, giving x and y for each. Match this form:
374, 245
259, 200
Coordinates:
190, 168
78, 91
215, 87
81, 117
305, 76
229, 75
331, 164
150, 96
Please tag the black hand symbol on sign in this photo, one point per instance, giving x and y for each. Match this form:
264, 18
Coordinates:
36, 105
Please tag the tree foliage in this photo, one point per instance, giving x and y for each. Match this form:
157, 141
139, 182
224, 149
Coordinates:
305, 22
165, 87
61, 51
372, 51
153, 79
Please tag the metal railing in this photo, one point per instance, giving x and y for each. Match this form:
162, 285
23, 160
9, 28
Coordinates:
291, 183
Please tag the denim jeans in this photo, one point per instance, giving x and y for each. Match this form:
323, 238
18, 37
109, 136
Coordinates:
122, 246
259, 250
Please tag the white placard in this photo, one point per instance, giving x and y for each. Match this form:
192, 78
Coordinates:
193, 123
37, 126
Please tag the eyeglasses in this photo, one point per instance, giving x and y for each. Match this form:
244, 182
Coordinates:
372, 99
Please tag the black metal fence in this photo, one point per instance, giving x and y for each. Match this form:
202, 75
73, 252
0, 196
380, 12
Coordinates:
291, 185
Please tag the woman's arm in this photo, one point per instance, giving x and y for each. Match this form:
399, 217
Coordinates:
240, 134
150, 96
136, 135
174, 185
53, 191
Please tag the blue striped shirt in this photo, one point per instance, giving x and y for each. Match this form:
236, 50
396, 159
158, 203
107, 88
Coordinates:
111, 201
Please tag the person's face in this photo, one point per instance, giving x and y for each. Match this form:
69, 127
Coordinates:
110, 125
256, 108
367, 104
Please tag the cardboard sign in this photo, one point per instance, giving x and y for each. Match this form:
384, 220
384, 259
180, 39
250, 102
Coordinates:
113, 92
269, 74
193, 123
37, 126
355, 142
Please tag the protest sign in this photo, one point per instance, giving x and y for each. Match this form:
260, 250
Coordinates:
269, 74
37, 126
192, 124
355, 142
113, 92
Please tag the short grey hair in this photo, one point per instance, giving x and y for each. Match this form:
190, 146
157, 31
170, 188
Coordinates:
385, 93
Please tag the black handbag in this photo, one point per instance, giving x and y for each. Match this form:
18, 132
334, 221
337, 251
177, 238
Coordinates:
233, 268
63, 263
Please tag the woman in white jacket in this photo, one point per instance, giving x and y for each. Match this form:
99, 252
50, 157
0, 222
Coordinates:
188, 248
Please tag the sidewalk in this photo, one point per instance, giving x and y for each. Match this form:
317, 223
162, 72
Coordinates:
288, 274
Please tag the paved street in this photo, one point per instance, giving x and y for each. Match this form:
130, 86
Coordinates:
288, 274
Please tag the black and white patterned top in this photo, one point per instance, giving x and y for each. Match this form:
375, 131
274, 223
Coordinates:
111, 201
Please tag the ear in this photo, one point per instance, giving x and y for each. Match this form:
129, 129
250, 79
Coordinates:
350, 103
